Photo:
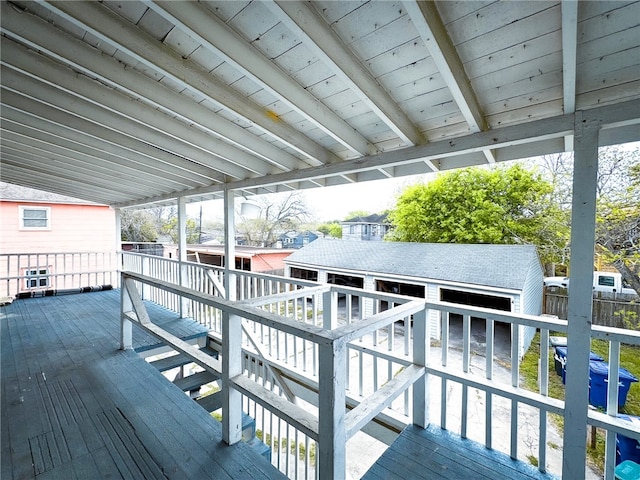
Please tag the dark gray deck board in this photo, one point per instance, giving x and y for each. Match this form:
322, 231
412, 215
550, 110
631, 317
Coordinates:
75, 406
434, 453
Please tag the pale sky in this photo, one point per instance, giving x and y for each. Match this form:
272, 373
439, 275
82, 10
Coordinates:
333, 203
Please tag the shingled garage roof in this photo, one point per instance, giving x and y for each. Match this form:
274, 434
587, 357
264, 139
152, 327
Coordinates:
131, 102
499, 266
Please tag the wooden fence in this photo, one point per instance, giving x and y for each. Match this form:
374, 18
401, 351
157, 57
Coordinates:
619, 311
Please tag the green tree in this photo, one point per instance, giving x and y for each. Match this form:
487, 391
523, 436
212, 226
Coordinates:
170, 227
331, 229
357, 213
618, 217
137, 226
618, 205
479, 205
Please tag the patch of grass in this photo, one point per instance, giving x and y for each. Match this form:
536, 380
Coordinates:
532, 460
629, 359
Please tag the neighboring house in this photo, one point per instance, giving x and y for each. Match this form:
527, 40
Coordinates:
296, 240
502, 277
38, 222
251, 259
373, 228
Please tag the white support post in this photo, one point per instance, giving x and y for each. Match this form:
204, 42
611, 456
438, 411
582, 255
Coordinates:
144, 267
118, 245
329, 310
229, 245
126, 327
421, 350
585, 176
331, 410
182, 253
231, 367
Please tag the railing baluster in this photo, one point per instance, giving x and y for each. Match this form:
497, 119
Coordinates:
544, 390
444, 356
489, 343
466, 354
515, 379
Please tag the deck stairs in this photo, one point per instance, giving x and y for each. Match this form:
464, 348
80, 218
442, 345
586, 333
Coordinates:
211, 402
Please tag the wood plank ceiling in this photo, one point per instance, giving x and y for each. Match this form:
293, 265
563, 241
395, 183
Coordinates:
134, 102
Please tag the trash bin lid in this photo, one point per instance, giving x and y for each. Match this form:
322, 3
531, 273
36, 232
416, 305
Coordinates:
562, 353
627, 470
602, 368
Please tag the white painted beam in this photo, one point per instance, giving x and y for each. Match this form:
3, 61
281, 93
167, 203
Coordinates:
81, 57
426, 19
538, 133
110, 28
569, 59
302, 19
202, 25
88, 138
90, 100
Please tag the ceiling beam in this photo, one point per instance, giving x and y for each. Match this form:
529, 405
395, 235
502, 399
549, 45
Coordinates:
443, 152
185, 139
107, 118
569, 59
109, 146
302, 19
34, 127
62, 186
426, 19
201, 24
46, 38
121, 35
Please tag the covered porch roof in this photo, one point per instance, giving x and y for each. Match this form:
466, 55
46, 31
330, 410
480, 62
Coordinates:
142, 102
129, 103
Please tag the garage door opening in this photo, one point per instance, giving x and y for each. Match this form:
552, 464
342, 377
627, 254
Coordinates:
476, 299
502, 331
304, 274
345, 280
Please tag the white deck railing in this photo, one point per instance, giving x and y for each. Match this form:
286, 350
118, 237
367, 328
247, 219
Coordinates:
35, 273
465, 388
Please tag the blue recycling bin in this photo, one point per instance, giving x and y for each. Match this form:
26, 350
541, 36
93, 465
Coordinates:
598, 379
628, 448
627, 470
560, 361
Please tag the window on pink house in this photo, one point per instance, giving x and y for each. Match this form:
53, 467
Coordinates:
35, 218
37, 278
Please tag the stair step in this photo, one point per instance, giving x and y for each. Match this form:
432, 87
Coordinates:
195, 381
260, 447
179, 360
211, 403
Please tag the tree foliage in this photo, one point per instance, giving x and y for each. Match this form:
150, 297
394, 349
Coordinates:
145, 225
279, 214
331, 229
477, 205
137, 226
618, 215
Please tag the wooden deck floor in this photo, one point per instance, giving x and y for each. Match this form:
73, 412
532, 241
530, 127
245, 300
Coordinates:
75, 406
438, 454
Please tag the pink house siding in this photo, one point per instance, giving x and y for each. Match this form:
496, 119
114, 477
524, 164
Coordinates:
73, 228
80, 237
